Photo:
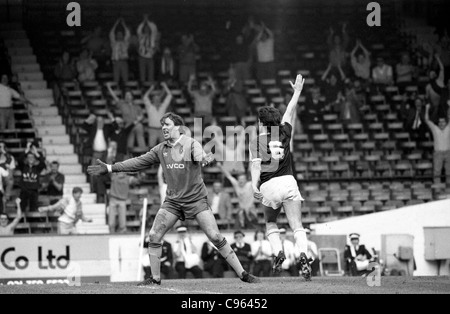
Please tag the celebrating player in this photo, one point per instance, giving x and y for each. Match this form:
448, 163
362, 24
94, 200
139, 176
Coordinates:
273, 180
182, 159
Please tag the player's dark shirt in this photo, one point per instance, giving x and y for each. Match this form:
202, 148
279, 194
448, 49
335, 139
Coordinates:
274, 152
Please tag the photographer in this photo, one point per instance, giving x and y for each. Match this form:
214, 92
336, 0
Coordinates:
32, 164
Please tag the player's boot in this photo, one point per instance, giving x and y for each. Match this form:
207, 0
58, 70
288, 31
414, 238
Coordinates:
305, 268
249, 278
276, 267
149, 282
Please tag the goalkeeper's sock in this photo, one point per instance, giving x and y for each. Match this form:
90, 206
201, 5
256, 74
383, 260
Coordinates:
155, 252
230, 256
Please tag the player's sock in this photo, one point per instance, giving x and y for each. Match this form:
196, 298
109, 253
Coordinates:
301, 241
155, 252
273, 234
230, 256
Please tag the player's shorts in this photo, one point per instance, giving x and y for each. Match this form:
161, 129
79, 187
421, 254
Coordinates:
186, 210
278, 190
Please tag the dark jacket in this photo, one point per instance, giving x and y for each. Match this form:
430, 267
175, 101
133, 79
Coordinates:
244, 254
361, 251
30, 175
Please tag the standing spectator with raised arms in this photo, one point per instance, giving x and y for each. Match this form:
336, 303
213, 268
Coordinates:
203, 99
120, 42
147, 33
265, 52
6, 228
7, 94
187, 57
361, 61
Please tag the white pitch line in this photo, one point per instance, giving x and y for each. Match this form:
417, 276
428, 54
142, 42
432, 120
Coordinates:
180, 291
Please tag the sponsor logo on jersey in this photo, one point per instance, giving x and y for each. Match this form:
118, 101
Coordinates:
175, 166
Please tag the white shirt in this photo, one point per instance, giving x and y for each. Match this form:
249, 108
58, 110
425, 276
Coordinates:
265, 51
441, 138
99, 141
289, 251
3, 174
155, 114
266, 250
382, 75
6, 96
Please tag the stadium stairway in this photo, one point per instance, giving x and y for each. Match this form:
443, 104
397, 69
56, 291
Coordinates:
49, 126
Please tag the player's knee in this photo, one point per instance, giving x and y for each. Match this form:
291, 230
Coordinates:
154, 237
216, 239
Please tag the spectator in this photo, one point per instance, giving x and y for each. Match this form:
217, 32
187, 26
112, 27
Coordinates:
313, 254
167, 68
7, 162
203, 99
332, 84
220, 202
86, 66
262, 254
96, 146
289, 250
405, 71
53, 183
65, 69
213, 262
187, 55
247, 216
7, 94
243, 250
156, 108
121, 135
314, 107
236, 99
347, 105
162, 184
71, 212
147, 33
186, 255
437, 84
414, 118
357, 256
118, 196
4, 173
32, 164
166, 261
6, 228
338, 47
96, 44
361, 62
441, 138
120, 42
132, 116
382, 73
239, 59
265, 67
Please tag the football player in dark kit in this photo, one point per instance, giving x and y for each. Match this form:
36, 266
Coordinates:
182, 159
273, 179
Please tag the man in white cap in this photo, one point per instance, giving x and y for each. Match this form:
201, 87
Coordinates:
186, 256
357, 256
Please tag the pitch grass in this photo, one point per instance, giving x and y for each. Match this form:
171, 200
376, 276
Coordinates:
281, 285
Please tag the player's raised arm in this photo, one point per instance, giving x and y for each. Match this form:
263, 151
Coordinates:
255, 170
131, 165
18, 215
291, 109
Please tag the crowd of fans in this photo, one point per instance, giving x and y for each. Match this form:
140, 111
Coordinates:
344, 88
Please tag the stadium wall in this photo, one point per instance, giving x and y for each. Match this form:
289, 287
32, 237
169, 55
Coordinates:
409, 220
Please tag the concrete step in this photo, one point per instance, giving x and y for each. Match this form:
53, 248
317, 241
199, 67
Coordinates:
31, 76
51, 130
85, 228
43, 102
70, 169
63, 159
45, 111
54, 140
29, 59
94, 209
24, 51
29, 85
39, 93
76, 179
47, 120
28, 68
20, 43
59, 149
13, 34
